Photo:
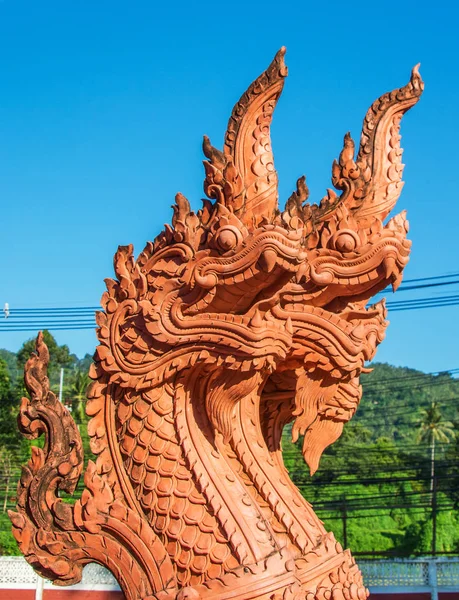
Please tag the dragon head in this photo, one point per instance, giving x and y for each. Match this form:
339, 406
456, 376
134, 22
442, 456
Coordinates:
248, 287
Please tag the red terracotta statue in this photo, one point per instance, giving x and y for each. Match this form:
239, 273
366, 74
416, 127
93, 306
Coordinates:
235, 321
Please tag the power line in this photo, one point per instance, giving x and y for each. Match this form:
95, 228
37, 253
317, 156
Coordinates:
419, 466
354, 500
403, 287
442, 509
406, 377
397, 412
47, 310
407, 288
436, 299
35, 325
82, 317
50, 328
384, 450
17, 312
431, 278
306, 483
411, 386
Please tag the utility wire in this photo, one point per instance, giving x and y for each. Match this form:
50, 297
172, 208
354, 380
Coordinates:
372, 383
431, 278
443, 509
34, 325
411, 386
403, 287
301, 483
82, 317
406, 288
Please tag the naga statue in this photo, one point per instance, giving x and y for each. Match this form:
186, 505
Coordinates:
235, 321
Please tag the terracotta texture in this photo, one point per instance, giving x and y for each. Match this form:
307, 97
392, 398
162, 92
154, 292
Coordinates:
235, 321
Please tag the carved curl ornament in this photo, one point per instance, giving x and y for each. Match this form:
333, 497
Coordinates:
235, 321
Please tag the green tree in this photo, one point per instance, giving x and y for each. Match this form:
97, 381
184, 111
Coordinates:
10, 359
5, 383
84, 363
6, 472
432, 429
9, 435
76, 392
59, 357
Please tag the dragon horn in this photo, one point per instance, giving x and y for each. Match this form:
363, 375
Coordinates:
242, 177
372, 184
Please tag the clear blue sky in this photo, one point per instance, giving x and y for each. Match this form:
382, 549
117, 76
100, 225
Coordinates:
103, 105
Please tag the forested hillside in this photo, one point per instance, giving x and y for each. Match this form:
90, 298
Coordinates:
374, 487
382, 488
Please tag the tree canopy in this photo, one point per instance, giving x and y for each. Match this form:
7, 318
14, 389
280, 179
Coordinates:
373, 486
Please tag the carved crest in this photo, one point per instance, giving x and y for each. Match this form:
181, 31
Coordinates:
234, 322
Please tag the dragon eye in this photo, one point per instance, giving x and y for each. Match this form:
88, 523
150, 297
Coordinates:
228, 238
345, 240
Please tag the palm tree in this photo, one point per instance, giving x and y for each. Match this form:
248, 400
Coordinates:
6, 472
434, 429
77, 392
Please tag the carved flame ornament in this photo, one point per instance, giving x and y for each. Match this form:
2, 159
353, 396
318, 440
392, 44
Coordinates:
235, 321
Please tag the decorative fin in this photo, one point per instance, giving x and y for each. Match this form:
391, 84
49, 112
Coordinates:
181, 209
294, 205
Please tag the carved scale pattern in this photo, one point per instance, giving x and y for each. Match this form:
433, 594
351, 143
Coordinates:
166, 490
